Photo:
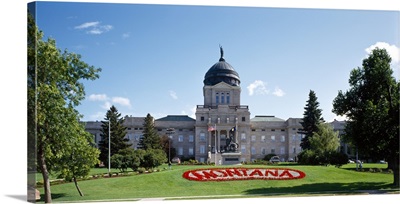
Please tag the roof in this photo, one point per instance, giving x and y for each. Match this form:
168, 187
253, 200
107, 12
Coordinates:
176, 118
266, 118
222, 71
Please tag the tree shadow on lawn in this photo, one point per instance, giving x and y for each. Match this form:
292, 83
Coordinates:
323, 188
53, 196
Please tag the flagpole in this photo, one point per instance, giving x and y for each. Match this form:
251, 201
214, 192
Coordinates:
215, 148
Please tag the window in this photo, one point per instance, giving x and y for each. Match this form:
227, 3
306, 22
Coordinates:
294, 149
294, 138
129, 136
180, 138
253, 138
273, 138
136, 137
282, 150
202, 118
273, 130
243, 119
253, 130
222, 98
190, 150
282, 138
263, 151
243, 148
243, 136
227, 99
191, 138
272, 151
262, 138
202, 149
253, 150
180, 130
159, 129
282, 130
202, 136
217, 99
129, 128
263, 130
180, 151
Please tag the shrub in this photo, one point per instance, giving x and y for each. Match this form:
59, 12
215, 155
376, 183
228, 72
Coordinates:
141, 170
308, 157
268, 157
338, 159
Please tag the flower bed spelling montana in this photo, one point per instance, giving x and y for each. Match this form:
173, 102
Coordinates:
229, 174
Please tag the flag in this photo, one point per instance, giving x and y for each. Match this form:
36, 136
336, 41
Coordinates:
211, 128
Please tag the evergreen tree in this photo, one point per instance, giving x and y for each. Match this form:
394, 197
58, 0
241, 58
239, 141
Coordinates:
150, 139
117, 134
311, 119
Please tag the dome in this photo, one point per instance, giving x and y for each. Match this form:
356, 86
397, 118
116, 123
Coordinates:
221, 72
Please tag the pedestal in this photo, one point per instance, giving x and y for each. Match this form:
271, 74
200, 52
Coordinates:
231, 158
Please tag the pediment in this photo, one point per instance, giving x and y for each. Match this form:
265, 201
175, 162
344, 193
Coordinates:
223, 85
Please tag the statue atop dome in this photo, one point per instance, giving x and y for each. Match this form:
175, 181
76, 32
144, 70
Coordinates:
222, 53
221, 71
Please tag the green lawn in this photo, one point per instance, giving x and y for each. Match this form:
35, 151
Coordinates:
169, 183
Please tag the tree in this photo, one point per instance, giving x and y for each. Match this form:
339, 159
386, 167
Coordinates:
311, 119
372, 107
324, 146
54, 85
78, 158
153, 158
150, 139
325, 140
166, 145
117, 134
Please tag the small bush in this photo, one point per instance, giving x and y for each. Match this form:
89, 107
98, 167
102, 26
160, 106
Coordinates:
141, 170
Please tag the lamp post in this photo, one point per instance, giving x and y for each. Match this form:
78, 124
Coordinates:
109, 147
170, 131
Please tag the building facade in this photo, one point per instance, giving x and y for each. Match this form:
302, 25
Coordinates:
221, 124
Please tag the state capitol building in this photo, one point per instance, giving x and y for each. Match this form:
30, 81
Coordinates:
220, 122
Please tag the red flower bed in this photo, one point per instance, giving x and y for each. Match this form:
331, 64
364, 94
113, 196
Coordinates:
229, 174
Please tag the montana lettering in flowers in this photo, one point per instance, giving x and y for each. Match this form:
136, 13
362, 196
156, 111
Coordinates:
228, 174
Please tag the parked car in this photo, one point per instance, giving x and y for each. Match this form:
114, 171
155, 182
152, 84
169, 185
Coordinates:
290, 160
382, 162
351, 161
275, 159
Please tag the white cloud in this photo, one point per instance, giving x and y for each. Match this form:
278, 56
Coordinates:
173, 95
278, 92
258, 87
87, 25
97, 116
98, 97
94, 28
192, 112
126, 35
392, 50
340, 118
121, 101
106, 105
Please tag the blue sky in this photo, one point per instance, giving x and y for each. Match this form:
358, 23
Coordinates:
154, 57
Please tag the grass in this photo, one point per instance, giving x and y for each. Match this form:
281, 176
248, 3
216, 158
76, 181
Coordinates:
169, 183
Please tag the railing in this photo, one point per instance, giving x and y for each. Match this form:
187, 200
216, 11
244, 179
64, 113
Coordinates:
231, 107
